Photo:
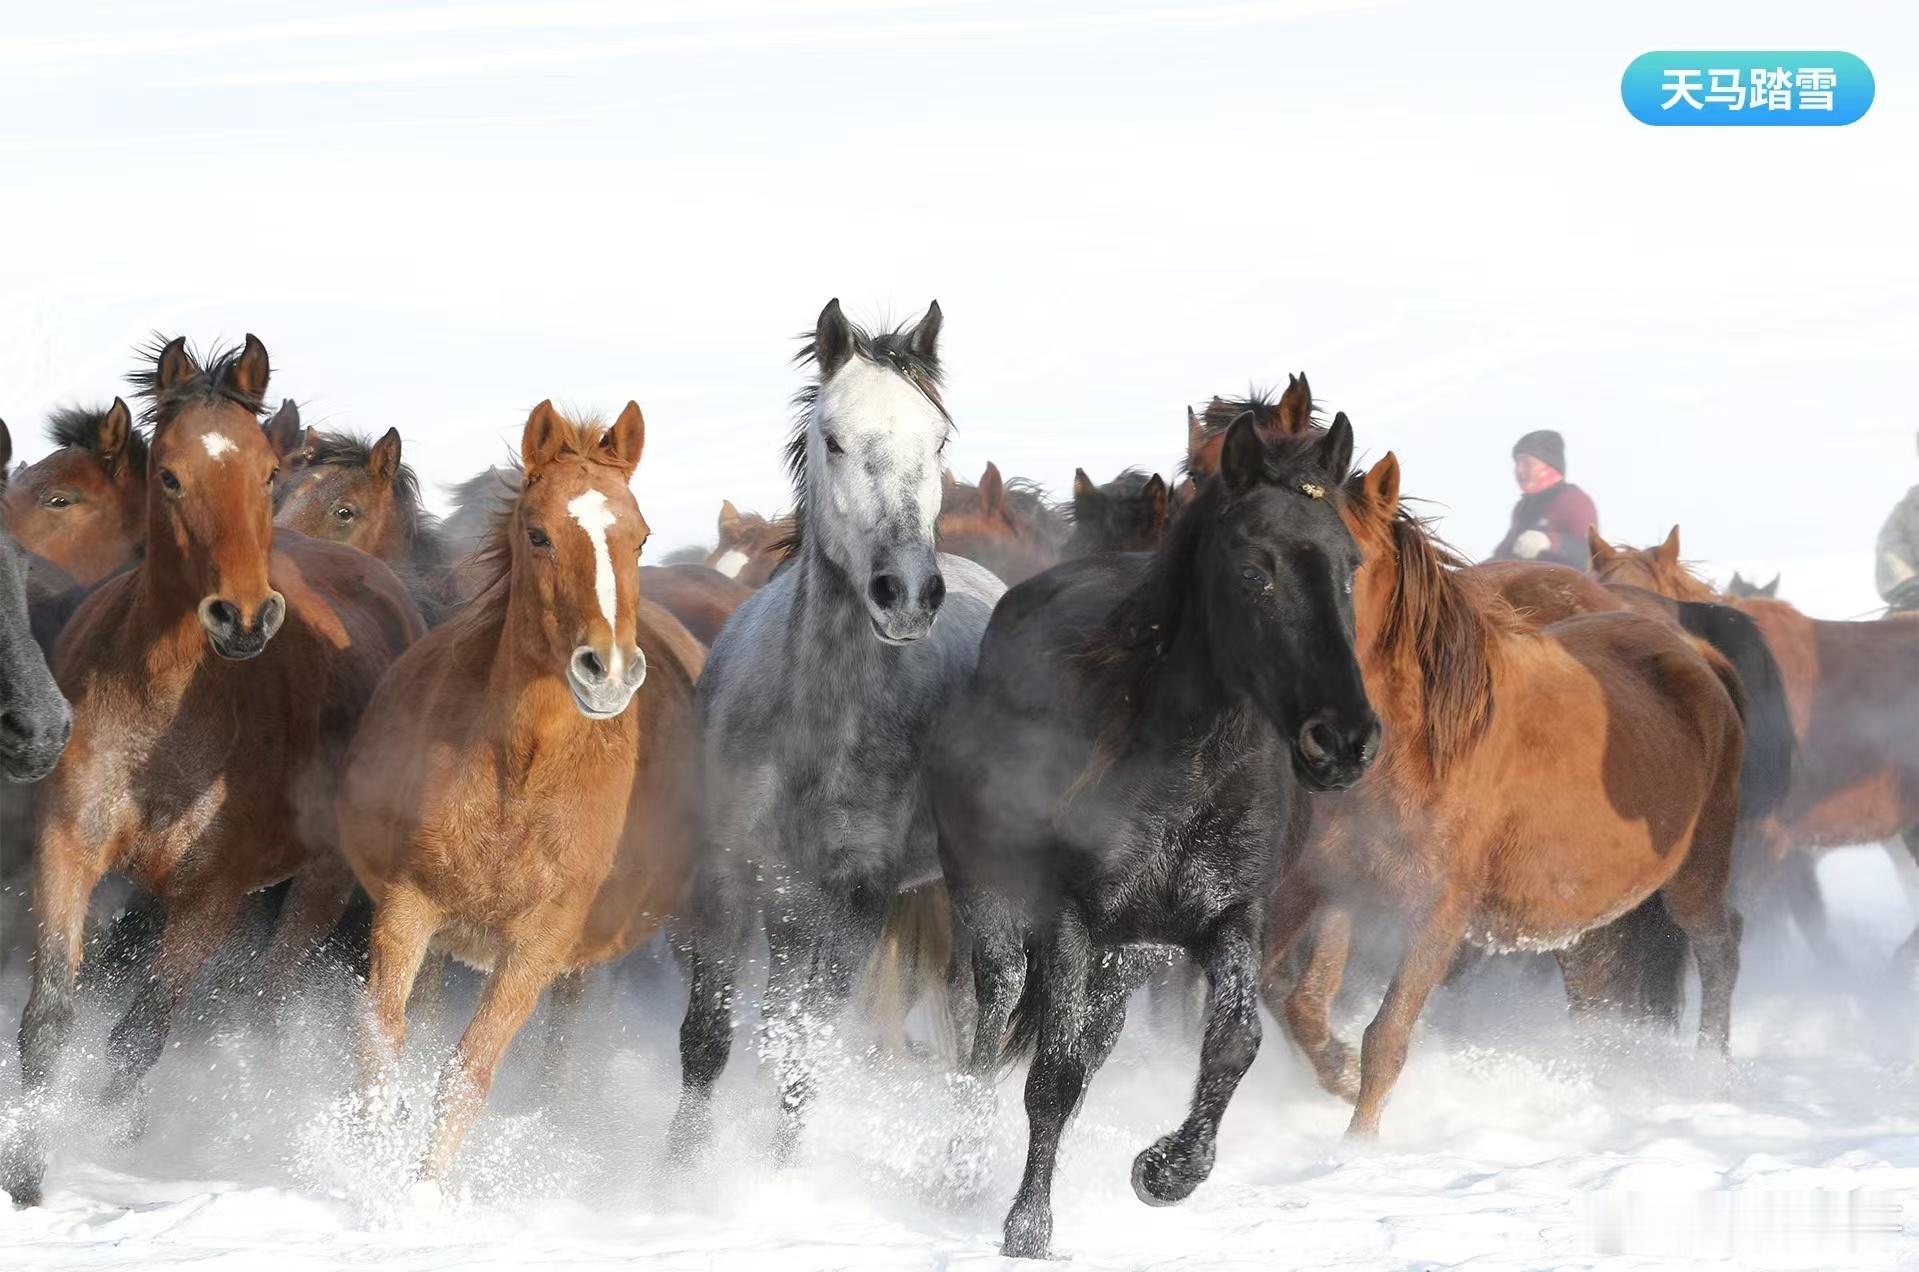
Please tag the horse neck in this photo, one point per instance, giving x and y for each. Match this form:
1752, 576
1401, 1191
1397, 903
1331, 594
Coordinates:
827, 605
166, 610
1393, 667
527, 702
1184, 700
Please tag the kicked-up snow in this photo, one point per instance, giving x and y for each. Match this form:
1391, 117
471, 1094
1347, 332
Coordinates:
1516, 1139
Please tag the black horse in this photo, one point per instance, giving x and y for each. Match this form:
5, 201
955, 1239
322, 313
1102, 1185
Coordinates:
1122, 772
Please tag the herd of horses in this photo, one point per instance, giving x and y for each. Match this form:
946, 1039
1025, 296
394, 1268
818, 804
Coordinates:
1002, 752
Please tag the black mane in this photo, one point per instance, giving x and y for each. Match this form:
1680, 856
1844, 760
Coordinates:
355, 450
79, 427
212, 383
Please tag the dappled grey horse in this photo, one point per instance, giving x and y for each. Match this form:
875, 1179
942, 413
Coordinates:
817, 702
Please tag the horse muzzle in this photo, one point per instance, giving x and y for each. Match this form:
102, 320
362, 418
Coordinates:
602, 691
32, 739
231, 635
1331, 754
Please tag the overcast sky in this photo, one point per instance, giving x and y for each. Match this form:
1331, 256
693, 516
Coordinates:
436, 215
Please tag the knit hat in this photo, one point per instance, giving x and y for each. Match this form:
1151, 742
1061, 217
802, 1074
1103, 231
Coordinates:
1545, 445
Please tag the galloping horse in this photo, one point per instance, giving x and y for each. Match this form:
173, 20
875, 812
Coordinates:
1005, 526
1127, 514
524, 791
1125, 767
750, 546
1535, 783
817, 701
215, 687
342, 487
83, 506
1853, 692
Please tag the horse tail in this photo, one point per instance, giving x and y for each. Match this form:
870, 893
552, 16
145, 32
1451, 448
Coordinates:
1759, 691
910, 963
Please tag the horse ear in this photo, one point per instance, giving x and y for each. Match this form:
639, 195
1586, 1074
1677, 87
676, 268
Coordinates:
544, 437
1295, 412
626, 439
110, 442
250, 369
1335, 450
1242, 458
1668, 552
1152, 497
926, 335
832, 339
992, 490
1381, 485
1771, 589
729, 523
176, 365
284, 433
6, 452
1084, 491
383, 462
1597, 548
1195, 430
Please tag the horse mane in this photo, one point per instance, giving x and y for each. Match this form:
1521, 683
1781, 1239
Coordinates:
1683, 577
1120, 655
1443, 625
1261, 403
212, 383
420, 528
493, 559
79, 427
893, 347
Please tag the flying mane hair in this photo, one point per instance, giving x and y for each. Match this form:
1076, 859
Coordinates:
1261, 403
1122, 654
213, 383
894, 347
1441, 624
79, 427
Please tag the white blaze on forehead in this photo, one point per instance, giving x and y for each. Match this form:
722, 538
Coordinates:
590, 510
731, 562
218, 445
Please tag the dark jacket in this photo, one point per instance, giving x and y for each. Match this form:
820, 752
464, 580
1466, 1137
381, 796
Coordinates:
1563, 513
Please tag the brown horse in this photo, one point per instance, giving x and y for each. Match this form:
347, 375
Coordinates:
215, 687
83, 507
342, 487
750, 546
1853, 692
1532, 785
1005, 526
1206, 431
515, 797
698, 595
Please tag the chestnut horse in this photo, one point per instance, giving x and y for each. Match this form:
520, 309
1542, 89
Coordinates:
750, 546
1533, 784
83, 506
1003, 525
215, 687
1206, 431
515, 797
342, 487
1853, 691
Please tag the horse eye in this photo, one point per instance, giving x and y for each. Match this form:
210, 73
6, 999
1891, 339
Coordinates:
1253, 574
538, 538
833, 445
58, 501
168, 480
344, 512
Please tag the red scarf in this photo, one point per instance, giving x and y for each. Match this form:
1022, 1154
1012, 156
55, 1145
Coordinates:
1545, 478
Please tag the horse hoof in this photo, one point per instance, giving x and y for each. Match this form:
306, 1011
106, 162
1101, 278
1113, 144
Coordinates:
1028, 1236
1167, 1173
24, 1187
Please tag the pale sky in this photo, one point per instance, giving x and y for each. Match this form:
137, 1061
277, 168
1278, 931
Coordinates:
436, 215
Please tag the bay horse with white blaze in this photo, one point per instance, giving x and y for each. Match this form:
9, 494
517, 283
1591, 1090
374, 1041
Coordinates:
83, 506
524, 791
215, 687
817, 702
1126, 769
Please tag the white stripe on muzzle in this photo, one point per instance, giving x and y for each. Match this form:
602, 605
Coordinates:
590, 510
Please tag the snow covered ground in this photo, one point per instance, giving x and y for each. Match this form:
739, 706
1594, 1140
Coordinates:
1514, 1140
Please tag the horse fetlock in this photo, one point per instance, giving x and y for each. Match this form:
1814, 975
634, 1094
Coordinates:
1167, 1173
1029, 1231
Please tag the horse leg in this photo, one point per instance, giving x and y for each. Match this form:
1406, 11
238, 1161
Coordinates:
565, 1009
710, 954
1696, 898
1055, 1082
1807, 904
1908, 953
512, 992
194, 929
1308, 1010
1383, 1051
403, 926
428, 996
63, 883
319, 896
1175, 1164
1289, 910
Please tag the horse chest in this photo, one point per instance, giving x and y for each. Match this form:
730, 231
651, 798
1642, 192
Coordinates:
1186, 856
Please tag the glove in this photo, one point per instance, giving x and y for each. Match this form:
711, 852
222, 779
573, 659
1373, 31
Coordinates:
1904, 598
1531, 544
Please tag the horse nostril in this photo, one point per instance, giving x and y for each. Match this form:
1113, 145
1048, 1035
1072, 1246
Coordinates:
590, 667
223, 615
887, 590
15, 726
1369, 747
935, 592
1318, 741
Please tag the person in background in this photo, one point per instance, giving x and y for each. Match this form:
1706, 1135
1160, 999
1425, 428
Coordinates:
1552, 516
1896, 560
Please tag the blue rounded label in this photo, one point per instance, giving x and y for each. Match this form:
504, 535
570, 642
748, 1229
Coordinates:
1819, 88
